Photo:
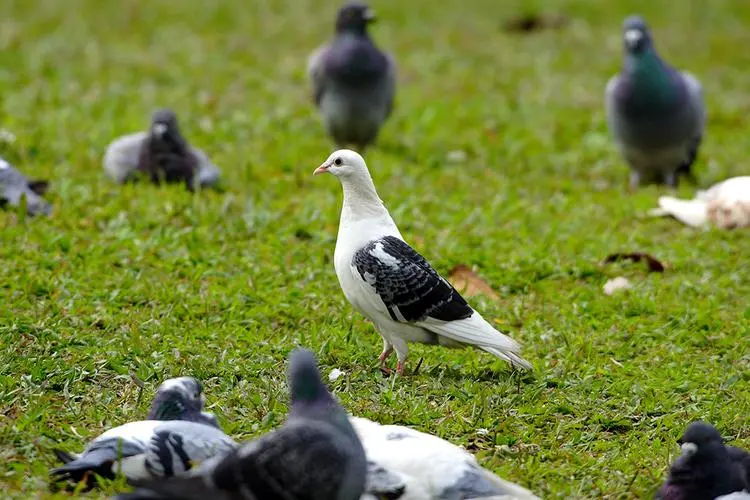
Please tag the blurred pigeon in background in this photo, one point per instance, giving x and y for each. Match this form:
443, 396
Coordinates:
725, 205
353, 82
14, 186
315, 455
705, 470
392, 285
161, 154
176, 436
407, 464
655, 113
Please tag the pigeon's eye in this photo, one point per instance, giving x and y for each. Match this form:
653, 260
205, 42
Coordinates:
338, 162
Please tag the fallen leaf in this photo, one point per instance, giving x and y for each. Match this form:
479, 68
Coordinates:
616, 284
654, 265
469, 283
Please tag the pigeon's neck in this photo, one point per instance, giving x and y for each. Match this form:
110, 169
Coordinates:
169, 410
361, 200
651, 81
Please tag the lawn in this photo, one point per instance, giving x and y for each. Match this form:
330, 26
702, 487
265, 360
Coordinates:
158, 282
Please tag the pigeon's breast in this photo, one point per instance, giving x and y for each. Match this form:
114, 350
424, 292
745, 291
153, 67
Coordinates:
356, 63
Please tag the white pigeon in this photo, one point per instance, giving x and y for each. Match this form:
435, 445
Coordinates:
725, 205
394, 286
411, 465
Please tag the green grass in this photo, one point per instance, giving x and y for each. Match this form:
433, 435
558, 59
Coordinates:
222, 286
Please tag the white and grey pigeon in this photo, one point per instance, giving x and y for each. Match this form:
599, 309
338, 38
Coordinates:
655, 113
406, 464
353, 82
725, 205
394, 286
160, 154
706, 469
176, 435
315, 455
14, 186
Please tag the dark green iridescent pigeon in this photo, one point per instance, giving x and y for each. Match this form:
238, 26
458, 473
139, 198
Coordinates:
315, 455
655, 113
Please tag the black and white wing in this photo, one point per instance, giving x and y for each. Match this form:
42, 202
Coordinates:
178, 446
397, 281
409, 288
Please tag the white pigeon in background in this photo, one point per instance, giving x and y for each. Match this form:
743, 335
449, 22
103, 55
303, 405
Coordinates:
394, 286
725, 205
410, 465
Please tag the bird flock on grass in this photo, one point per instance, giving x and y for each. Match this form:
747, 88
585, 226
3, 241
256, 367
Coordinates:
657, 118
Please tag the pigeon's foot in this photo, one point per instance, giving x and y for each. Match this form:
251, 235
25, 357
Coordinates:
635, 181
400, 367
383, 358
670, 179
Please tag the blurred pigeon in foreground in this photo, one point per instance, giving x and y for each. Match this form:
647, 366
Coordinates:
14, 186
725, 205
315, 455
655, 113
176, 435
161, 154
353, 82
394, 286
406, 464
705, 470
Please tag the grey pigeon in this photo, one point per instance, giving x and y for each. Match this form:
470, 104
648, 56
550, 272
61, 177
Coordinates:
315, 455
705, 470
353, 82
392, 285
161, 154
176, 435
655, 113
14, 186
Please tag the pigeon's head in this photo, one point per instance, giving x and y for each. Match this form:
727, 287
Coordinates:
701, 440
344, 163
305, 385
177, 398
164, 121
636, 35
354, 18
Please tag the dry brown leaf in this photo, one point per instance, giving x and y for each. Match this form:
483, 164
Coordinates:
654, 265
470, 284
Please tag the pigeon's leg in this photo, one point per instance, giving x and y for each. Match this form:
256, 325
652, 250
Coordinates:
670, 179
387, 351
635, 180
402, 350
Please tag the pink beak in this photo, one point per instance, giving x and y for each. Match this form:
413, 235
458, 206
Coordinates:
321, 169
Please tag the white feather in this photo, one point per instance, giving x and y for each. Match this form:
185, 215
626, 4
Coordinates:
428, 465
725, 205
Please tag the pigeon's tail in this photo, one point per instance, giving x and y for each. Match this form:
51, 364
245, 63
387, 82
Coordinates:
690, 212
514, 359
84, 468
510, 491
476, 331
64, 456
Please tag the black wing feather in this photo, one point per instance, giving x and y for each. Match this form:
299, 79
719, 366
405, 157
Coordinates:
411, 289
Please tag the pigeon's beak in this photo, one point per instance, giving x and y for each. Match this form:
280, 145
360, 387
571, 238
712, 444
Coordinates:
688, 449
369, 16
633, 37
322, 169
159, 129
